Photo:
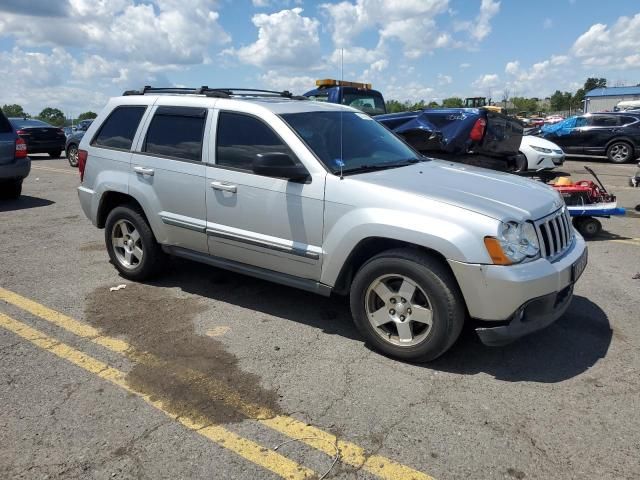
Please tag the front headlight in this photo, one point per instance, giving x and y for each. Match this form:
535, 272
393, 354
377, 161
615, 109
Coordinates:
541, 149
514, 243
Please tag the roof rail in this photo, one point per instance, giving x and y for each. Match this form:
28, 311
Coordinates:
215, 92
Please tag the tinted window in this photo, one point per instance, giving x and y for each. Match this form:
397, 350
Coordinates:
5, 126
603, 121
580, 121
119, 129
241, 138
624, 120
177, 133
368, 103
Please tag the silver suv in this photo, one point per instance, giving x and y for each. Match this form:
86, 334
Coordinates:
324, 198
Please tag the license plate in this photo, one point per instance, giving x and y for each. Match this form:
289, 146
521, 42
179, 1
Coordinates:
578, 267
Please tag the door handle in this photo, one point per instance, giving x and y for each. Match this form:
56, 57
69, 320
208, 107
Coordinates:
144, 171
225, 187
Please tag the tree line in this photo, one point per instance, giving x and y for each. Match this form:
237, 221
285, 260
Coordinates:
53, 116
558, 101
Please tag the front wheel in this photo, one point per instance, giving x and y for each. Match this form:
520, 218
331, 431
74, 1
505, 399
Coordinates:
72, 155
407, 304
619, 152
131, 245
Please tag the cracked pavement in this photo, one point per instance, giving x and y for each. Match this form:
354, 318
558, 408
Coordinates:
563, 403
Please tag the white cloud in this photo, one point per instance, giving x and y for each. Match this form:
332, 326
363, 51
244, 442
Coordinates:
547, 24
285, 39
486, 82
464, 65
351, 55
297, 85
408, 91
613, 47
480, 28
444, 79
410, 22
512, 68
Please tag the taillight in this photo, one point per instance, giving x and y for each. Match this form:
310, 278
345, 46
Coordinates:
22, 132
21, 148
82, 162
477, 132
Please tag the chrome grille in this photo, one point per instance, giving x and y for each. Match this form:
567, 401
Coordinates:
555, 234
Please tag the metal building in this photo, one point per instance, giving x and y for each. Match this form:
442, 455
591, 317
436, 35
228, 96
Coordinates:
604, 99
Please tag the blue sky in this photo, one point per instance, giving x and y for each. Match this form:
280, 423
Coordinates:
74, 54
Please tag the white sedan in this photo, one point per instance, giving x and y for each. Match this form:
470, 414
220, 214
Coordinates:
541, 154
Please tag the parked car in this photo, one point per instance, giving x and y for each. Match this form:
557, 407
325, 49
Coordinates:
71, 146
541, 153
14, 162
551, 119
39, 136
536, 122
67, 131
323, 198
615, 134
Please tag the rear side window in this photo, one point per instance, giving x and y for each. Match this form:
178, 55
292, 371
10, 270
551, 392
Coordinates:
119, 128
624, 120
5, 126
176, 132
604, 121
241, 138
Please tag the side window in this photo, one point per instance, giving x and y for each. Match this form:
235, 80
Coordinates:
627, 120
322, 97
241, 137
604, 121
119, 128
176, 132
581, 121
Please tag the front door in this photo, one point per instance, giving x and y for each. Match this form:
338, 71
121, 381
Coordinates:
271, 223
574, 140
168, 172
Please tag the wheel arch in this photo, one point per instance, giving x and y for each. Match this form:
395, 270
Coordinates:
112, 199
369, 247
624, 139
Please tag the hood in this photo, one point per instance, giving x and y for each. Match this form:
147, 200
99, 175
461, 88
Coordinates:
529, 140
502, 196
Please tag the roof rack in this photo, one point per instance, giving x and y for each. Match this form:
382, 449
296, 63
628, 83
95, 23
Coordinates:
215, 92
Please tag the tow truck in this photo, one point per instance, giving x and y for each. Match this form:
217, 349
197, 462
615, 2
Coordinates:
354, 94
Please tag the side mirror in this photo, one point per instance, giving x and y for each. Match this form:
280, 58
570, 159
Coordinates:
279, 165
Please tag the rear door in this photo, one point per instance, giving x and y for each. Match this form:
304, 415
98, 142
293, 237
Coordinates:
599, 130
7, 141
168, 172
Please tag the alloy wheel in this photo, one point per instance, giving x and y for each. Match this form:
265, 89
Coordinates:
127, 244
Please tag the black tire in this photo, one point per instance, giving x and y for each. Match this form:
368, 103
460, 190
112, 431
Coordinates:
72, 154
620, 152
588, 227
153, 256
55, 153
439, 285
11, 190
522, 164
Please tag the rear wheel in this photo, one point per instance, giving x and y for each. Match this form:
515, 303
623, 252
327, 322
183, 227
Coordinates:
620, 152
55, 153
131, 245
72, 155
407, 304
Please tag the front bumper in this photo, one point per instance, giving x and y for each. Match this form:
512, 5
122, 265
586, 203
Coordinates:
495, 293
18, 169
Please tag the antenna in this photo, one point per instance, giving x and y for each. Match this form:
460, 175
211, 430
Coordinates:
341, 112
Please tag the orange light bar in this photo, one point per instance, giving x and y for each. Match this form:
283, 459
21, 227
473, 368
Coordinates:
495, 251
330, 82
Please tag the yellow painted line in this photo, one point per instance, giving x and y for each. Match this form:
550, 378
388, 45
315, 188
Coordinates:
57, 170
350, 453
246, 448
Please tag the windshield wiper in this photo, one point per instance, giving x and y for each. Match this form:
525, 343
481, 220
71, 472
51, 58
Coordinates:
381, 166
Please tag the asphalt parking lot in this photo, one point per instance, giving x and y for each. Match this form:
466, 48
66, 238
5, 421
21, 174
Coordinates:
203, 373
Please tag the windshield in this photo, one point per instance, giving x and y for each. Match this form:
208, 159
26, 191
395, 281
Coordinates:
366, 144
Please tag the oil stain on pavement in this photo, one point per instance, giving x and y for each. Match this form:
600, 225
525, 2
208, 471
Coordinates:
158, 325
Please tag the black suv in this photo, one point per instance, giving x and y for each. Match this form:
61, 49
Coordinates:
616, 135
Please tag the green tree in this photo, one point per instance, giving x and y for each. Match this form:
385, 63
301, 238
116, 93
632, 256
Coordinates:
589, 84
523, 104
433, 104
394, 106
54, 116
453, 102
561, 101
14, 110
87, 115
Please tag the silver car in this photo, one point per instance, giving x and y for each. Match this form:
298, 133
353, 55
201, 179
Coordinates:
323, 198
